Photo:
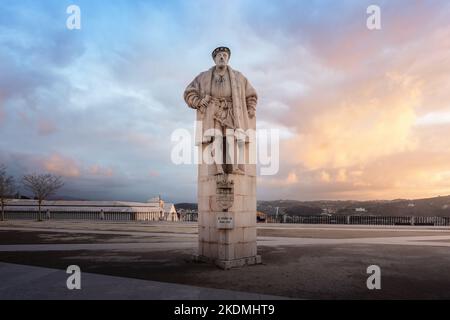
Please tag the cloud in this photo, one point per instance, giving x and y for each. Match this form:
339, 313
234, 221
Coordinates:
98, 170
375, 105
46, 127
60, 165
370, 121
2, 114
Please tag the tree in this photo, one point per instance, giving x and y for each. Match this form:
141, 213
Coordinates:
6, 189
42, 186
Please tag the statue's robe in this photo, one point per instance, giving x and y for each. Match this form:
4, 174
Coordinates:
243, 95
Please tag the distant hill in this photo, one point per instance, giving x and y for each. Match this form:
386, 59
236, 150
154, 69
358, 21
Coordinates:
437, 206
302, 210
186, 206
427, 207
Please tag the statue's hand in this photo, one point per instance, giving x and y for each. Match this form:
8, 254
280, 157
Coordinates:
204, 103
251, 113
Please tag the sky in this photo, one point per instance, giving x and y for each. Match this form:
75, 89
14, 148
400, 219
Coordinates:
363, 114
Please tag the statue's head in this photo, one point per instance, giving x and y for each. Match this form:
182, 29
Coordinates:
221, 56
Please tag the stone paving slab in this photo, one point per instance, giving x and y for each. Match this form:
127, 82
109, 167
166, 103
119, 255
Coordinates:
167, 244
37, 283
153, 246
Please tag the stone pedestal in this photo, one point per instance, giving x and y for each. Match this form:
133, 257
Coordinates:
227, 218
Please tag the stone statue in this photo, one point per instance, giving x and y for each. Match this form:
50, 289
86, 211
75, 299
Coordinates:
226, 104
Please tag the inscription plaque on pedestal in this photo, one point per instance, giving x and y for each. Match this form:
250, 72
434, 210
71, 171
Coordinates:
224, 221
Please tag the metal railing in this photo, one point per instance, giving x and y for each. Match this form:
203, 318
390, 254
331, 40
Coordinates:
361, 220
78, 215
189, 217
192, 217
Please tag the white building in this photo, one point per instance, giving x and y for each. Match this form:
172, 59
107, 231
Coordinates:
153, 210
170, 213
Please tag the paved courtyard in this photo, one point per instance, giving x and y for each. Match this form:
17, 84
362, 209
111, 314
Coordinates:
154, 261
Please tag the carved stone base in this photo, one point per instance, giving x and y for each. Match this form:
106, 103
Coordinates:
227, 220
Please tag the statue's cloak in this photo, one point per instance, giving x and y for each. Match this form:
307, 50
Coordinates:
244, 98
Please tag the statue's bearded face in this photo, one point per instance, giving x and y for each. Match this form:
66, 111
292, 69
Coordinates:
221, 59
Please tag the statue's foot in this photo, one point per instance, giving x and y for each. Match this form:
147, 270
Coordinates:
238, 171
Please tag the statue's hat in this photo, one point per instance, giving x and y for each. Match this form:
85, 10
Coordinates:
221, 49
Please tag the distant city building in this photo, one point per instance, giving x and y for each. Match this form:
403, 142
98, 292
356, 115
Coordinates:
360, 210
261, 216
327, 212
188, 214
